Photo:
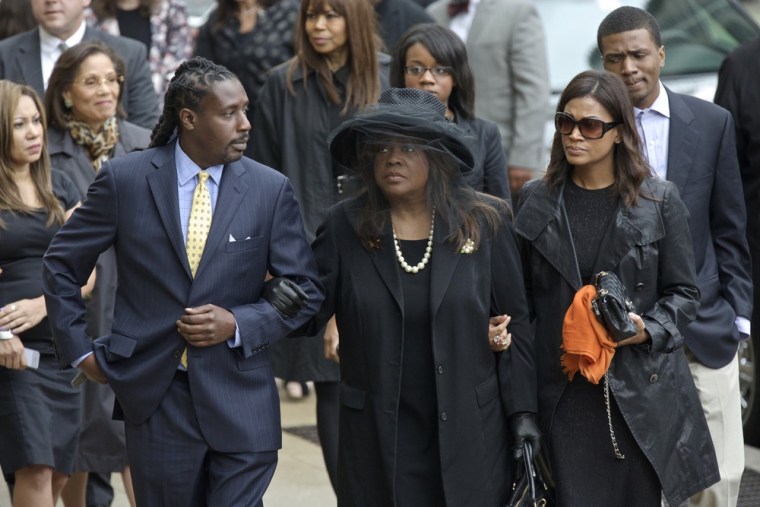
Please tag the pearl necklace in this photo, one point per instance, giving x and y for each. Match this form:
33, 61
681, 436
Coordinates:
425, 258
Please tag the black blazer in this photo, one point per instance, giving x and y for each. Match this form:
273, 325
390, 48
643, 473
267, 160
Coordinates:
490, 172
20, 62
702, 163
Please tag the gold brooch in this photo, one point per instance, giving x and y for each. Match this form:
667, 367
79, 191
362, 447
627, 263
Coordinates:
468, 248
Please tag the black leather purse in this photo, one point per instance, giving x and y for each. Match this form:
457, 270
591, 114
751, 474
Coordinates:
611, 306
533, 485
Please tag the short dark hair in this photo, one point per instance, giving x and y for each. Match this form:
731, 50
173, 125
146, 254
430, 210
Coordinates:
192, 81
629, 167
64, 73
447, 49
625, 19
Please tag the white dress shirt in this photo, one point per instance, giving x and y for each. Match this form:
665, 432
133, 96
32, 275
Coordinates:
50, 49
653, 124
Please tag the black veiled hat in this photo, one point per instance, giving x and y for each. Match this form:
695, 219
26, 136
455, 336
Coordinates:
402, 113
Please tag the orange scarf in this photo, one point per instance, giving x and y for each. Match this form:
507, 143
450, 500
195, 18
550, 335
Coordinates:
586, 342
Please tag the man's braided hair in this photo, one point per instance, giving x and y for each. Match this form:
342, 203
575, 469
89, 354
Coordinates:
191, 82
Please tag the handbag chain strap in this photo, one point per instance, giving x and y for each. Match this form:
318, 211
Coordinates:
618, 454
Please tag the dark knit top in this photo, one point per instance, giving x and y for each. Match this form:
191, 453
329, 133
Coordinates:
589, 213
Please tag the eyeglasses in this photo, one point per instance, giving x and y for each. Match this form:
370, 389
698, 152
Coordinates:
437, 71
93, 82
590, 128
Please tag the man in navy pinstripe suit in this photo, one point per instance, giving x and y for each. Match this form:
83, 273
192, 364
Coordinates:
208, 433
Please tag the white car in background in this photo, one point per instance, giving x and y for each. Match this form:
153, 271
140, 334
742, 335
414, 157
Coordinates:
697, 35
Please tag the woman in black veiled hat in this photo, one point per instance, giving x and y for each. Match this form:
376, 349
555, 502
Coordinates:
413, 268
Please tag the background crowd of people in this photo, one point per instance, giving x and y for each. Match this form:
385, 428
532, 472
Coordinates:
407, 132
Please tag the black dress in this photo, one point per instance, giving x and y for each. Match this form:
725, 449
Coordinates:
418, 462
39, 410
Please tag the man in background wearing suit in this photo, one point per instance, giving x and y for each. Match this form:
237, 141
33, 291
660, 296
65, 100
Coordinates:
196, 228
739, 92
691, 143
507, 52
29, 57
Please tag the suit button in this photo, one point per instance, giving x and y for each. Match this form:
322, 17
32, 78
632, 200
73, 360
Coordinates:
654, 378
639, 286
444, 416
440, 370
176, 354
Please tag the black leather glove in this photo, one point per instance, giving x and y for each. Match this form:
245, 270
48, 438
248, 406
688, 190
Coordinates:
285, 295
524, 429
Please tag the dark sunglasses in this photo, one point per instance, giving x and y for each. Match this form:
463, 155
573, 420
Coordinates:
590, 128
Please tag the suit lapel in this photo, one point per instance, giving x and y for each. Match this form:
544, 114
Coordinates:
682, 141
28, 61
444, 261
543, 222
483, 15
163, 186
383, 259
388, 268
231, 193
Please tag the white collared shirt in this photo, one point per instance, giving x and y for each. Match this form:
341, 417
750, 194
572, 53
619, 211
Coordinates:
461, 23
50, 49
653, 124
187, 179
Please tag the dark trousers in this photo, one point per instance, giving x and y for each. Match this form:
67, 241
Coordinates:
172, 464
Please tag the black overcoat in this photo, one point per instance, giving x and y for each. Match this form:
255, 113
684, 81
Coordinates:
476, 389
290, 134
648, 246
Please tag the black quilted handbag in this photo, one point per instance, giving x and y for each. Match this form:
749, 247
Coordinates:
611, 306
533, 485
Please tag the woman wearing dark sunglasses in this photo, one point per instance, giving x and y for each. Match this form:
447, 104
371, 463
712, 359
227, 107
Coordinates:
627, 437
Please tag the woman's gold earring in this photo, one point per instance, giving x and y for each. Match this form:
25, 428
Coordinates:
67, 102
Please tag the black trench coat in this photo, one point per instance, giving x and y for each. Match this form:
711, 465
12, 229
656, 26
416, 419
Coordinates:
649, 248
476, 389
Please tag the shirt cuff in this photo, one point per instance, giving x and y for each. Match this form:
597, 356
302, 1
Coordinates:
237, 341
77, 362
743, 325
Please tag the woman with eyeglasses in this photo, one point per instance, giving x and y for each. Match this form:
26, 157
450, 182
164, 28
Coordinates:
39, 410
87, 128
433, 58
624, 424
336, 72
